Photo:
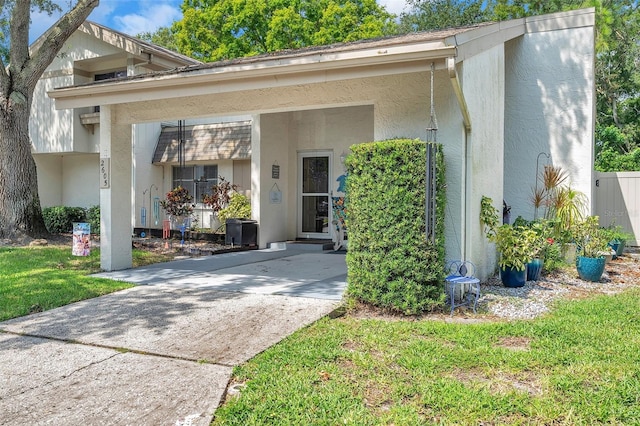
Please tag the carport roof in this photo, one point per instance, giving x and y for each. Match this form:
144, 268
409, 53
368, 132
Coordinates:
362, 56
392, 55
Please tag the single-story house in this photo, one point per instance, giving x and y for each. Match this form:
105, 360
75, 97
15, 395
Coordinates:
503, 93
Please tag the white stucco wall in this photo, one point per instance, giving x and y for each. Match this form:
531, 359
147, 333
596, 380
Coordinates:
549, 108
68, 180
49, 177
51, 130
63, 131
80, 180
483, 81
273, 147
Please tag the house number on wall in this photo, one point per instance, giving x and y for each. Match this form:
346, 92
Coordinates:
105, 178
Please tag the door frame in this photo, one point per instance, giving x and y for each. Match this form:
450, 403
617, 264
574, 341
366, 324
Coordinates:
299, 194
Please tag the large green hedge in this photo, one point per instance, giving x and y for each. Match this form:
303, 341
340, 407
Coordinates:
390, 262
59, 219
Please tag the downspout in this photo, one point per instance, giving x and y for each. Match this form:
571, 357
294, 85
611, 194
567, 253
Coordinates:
466, 118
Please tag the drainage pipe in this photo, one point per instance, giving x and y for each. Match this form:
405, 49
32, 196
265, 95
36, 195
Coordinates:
466, 187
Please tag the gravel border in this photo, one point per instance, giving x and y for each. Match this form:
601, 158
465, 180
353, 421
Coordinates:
537, 297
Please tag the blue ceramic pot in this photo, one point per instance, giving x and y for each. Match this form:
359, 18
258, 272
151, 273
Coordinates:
615, 244
512, 277
590, 268
534, 269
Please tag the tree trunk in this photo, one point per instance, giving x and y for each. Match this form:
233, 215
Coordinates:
20, 212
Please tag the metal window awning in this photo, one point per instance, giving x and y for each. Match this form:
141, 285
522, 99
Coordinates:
208, 142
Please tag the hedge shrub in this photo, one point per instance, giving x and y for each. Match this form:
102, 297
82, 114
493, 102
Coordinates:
93, 218
239, 207
59, 219
390, 263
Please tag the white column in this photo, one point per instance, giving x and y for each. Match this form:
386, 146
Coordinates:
256, 177
115, 192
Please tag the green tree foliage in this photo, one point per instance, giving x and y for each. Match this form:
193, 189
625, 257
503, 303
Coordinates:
618, 87
617, 60
439, 14
162, 37
212, 30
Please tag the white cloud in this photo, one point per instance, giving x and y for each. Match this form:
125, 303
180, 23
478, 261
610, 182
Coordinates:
148, 19
394, 6
102, 13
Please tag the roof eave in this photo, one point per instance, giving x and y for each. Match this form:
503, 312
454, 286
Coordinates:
264, 73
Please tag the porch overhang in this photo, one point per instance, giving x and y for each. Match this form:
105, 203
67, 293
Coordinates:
257, 73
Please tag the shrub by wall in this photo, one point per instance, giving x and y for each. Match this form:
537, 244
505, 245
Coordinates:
93, 218
60, 219
239, 208
390, 262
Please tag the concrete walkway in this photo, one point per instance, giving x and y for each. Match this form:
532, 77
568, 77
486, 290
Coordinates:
163, 351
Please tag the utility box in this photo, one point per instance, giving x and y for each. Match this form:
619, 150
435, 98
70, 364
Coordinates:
241, 232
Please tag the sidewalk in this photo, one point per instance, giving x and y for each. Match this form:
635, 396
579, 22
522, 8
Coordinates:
161, 352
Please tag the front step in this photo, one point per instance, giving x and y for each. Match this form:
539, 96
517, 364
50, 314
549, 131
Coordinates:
302, 245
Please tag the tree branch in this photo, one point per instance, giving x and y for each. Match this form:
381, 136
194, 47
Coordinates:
19, 36
55, 37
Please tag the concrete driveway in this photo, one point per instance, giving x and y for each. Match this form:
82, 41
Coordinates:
163, 351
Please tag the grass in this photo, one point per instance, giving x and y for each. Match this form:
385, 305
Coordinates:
577, 365
41, 278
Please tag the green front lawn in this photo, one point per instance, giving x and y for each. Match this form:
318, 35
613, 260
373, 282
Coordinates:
42, 278
578, 365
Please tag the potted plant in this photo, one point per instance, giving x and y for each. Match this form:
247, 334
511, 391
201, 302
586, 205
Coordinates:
617, 238
513, 242
592, 244
540, 243
179, 205
564, 206
219, 199
515, 245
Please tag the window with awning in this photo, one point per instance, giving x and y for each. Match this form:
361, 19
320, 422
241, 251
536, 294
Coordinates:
205, 142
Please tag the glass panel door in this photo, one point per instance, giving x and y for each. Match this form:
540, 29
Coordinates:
313, 218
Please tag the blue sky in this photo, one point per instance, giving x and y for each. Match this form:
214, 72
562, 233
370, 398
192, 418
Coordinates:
135, 17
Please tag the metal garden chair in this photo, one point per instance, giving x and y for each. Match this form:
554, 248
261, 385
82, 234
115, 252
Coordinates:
462, 287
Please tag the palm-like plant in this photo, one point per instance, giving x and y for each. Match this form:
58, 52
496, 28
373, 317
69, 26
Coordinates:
564, 205
569, 207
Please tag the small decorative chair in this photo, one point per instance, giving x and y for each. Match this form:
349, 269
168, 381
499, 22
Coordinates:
461, 282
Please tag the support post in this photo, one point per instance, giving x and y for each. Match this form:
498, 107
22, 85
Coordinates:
115, 192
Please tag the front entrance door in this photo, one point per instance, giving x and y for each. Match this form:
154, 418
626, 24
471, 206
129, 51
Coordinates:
314, 202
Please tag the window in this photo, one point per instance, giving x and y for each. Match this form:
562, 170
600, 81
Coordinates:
108, 76
198, 180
